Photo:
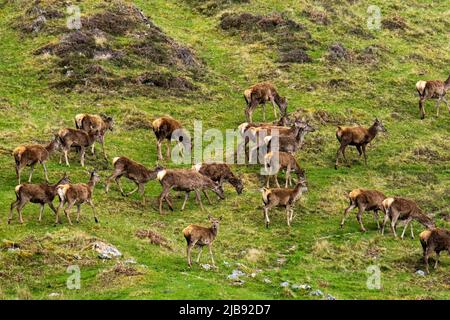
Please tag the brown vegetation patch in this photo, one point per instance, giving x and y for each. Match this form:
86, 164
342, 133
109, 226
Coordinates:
137, 119
427, 154
318, 17
295, 56
37, 16
394, 23
155, 238
337, 52
165, 81
211, 7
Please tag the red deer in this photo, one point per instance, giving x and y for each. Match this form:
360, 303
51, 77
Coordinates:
358, 137
185, 180
76, 138
101, 123
290, 143
434, 89
261, 93
164, 128
200, 236
277, 161
364, 200
405, 210
42, 194
435, 240
77, 194
220, 172
279, 197
29, 155
134, 171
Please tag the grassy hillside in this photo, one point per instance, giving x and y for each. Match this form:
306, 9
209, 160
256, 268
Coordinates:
193, 64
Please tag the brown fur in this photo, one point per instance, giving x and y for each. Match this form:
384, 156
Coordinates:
92, 122
185, 180
77, 194
163, 128
42, 194
76, 138
287, 162
290, 143
406, 210
200, 236
261, 93
220, 172
282, 197
435, 240
359, 137
364, 200
434, 89
30, 155
134, 171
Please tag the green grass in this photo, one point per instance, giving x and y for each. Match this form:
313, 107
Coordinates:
315, 250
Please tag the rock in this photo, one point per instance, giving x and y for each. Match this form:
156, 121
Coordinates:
316, 293
206, 266
301, 286
53, 294
420, 273
236, 274
130, 261
284, 284
267, 280
106, 251
330, 297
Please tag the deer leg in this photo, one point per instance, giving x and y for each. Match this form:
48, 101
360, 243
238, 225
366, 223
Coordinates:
45, 171
50, 204
386, 218
437, 259
346, 211
31, 172
188, 252
83, 151
13, 206
18, 169
207, 197
337, 157
134, 190
288, 213
40, 211
66, 157
103, 148
199, 200
211, 254
288, 169
407, 222
186, 197
446, 103
61, 204
276, 180
274, 108
168, 149
361, 209
438, 102
162, 196
200, 249
421, 107
91, 203
266, 209
78, 212
426, 256
158, 147
359, 150
364, 153
394, 219
264, 112
19, 210
412, 231
67, 212
93, 148
377, 218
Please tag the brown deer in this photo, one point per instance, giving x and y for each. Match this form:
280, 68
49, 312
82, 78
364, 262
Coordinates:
30, 155
220, 172
405, 210
200, 236
290, 143
261, 93
435, 240
77, 194
277, 161
101, 123
364, 200
434, 89
76, 138
42, 194
134, 171
281, 197
358, 137
166, 128
185, 180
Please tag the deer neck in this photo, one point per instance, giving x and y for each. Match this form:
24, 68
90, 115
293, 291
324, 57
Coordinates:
372, 132
297, 191
51, 147
447, 84
301, 137
91, 184
423, 218
214, 232
277, 99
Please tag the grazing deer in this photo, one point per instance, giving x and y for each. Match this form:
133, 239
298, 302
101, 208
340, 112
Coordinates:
364, 200
358, 137
42, 194
405, 210
134, 171
77, 194
261, 93
200, 236
101, 123
29, 155
76, 138
166, 128
435, 240
279, 197
434, 89
185, 180
220, 172
276, 161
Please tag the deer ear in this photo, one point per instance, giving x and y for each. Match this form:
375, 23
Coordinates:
209, 217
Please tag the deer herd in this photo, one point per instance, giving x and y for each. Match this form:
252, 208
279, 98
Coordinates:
280, 139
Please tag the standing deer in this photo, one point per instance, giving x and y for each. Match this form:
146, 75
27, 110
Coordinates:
434, 89
358, 137
42, 194
277, 161
77, 194
435, 240
364, 200
200, 236
261, 93
100, 123
134, 171
166, 128
405, 210
29, 155
220, 172
76, 138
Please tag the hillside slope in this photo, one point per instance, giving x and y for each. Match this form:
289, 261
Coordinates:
192, 60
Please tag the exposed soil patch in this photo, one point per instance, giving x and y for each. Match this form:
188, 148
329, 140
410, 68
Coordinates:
337, 52
165, 81
394, 23
318, 17
295, 56
427, 154
154, 237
